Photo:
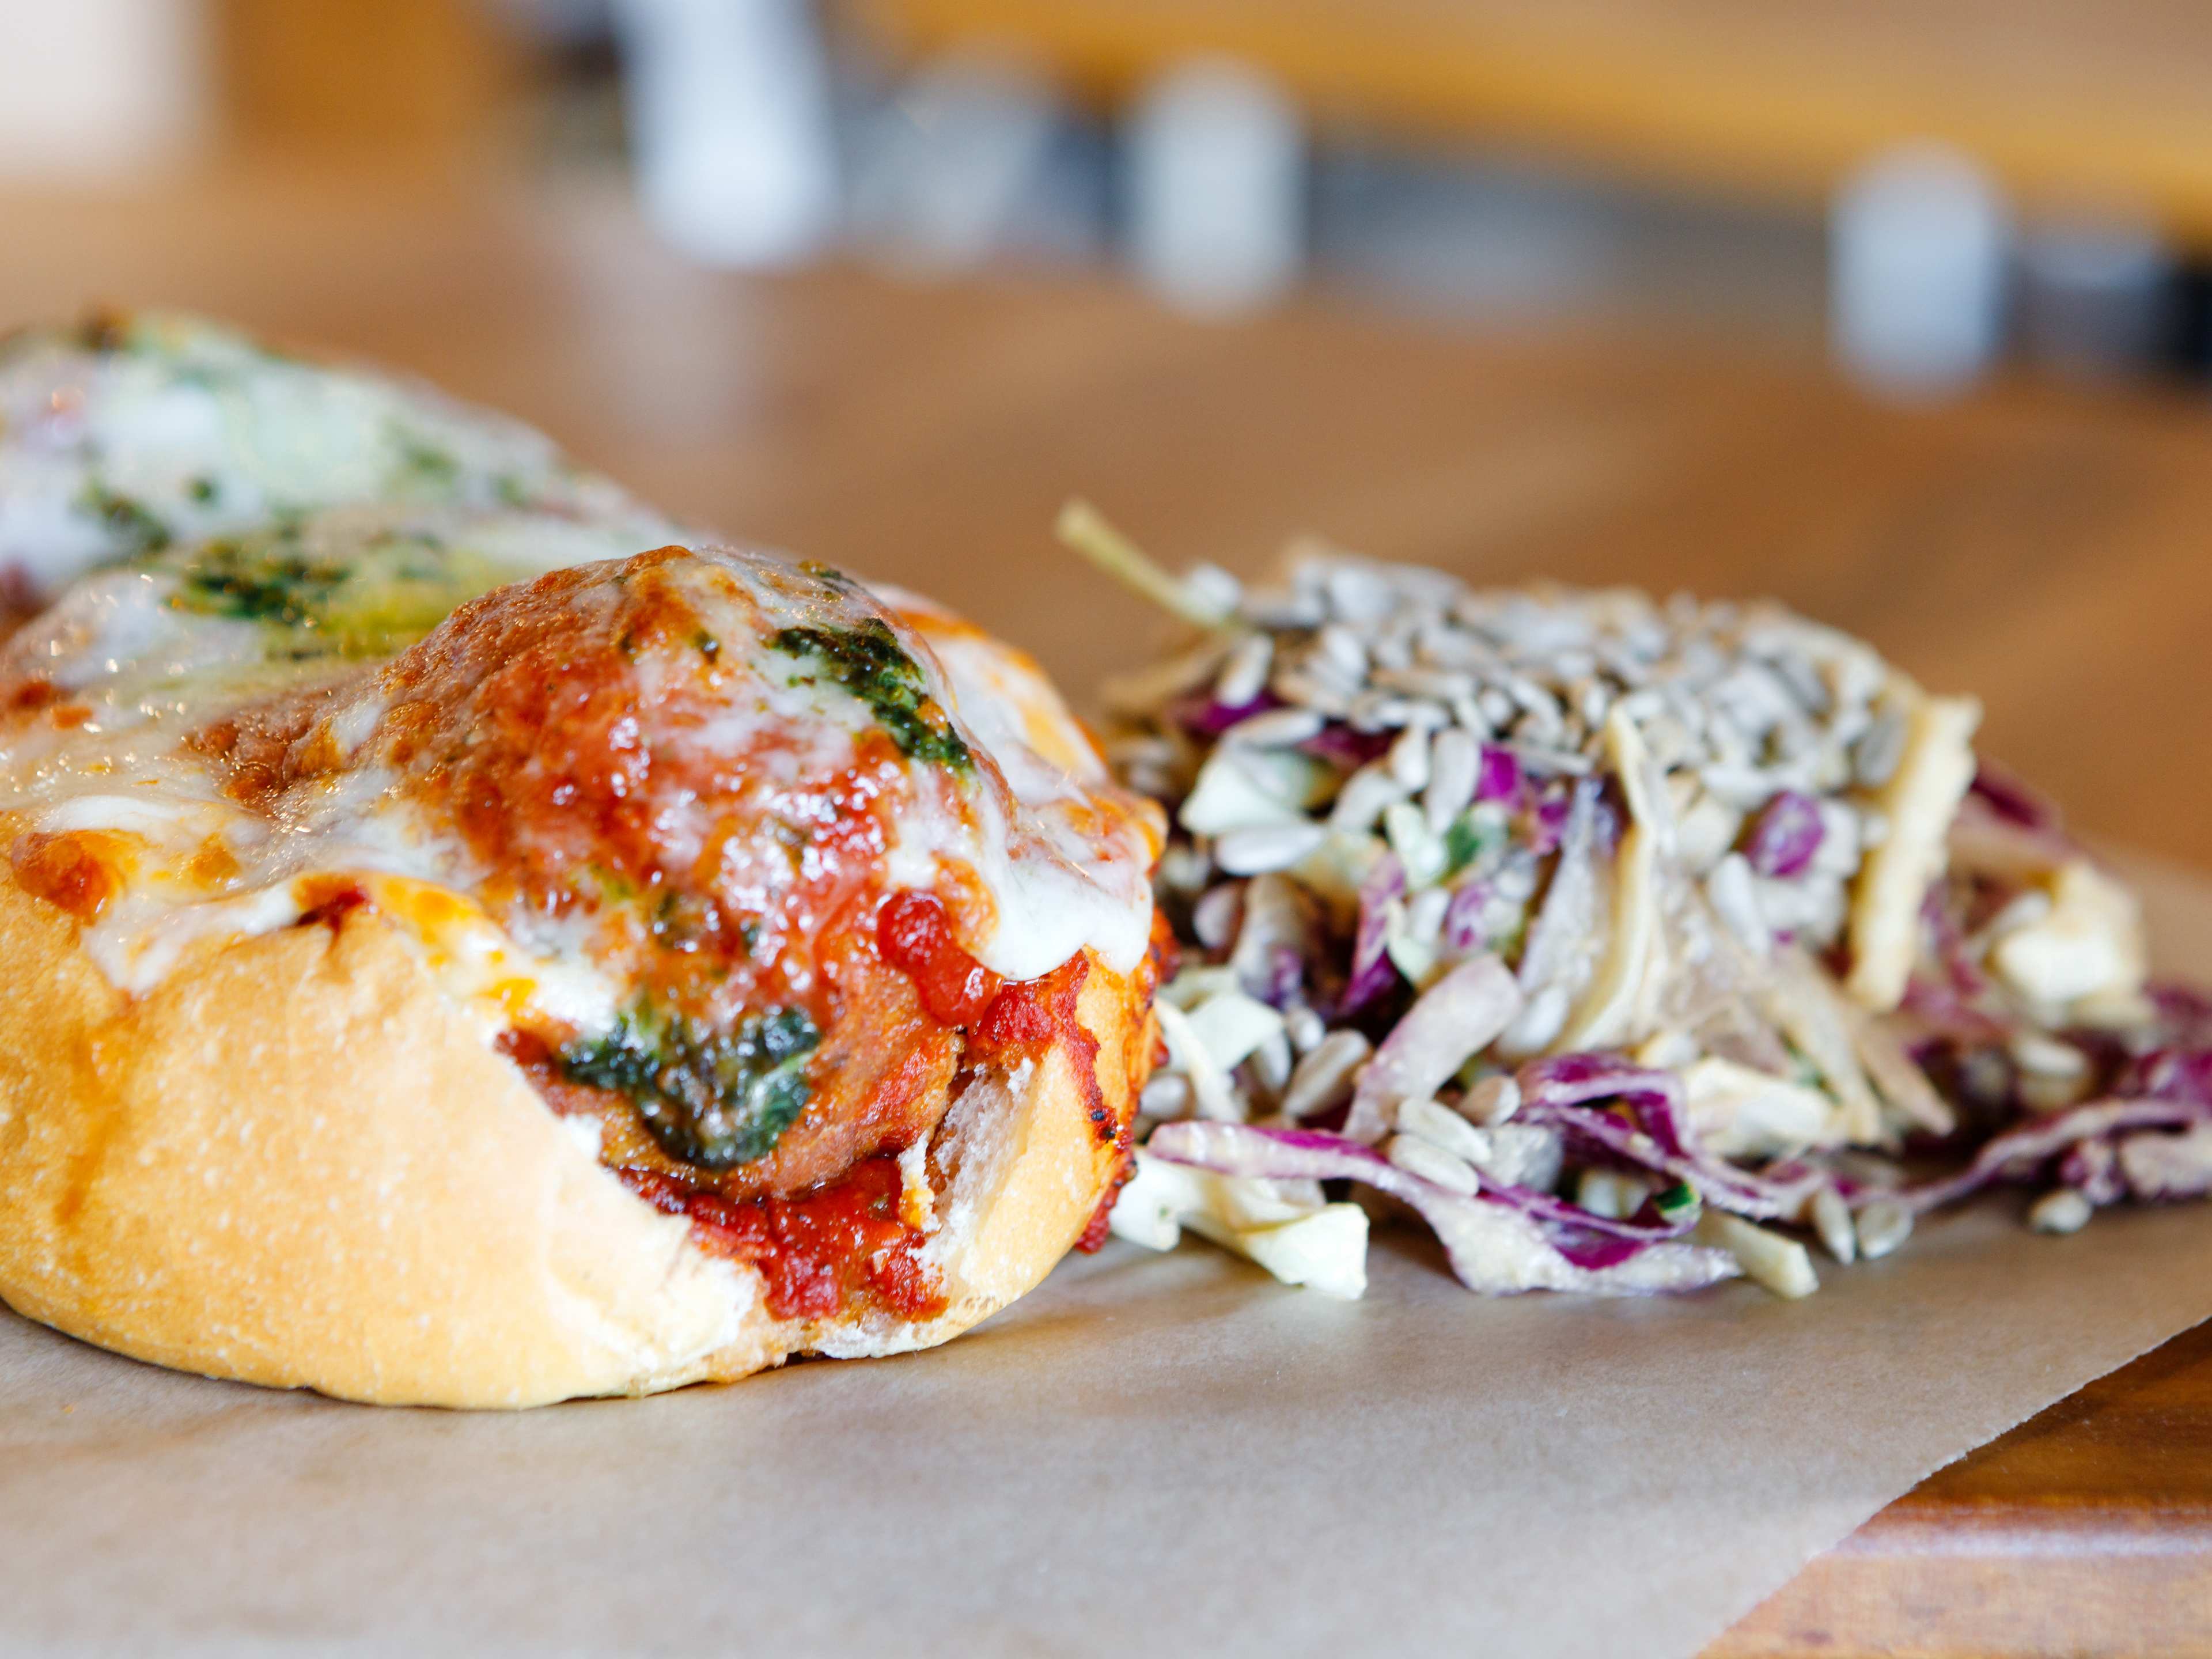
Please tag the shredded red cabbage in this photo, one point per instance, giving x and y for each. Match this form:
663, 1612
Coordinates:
2013, 800
1453, 1019
2020, 1154
1499, 777
2091, 1168
1372, 971
1555, 804
1462, 929
1785, 836
1345, 748
1209, 717
2175, 1073
1654, 1136
2183, 1012
1502, 1240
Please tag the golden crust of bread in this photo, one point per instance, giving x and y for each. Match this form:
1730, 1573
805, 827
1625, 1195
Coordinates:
295, 1162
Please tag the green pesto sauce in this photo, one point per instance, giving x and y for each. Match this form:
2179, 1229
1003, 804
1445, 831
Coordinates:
716, 1098
869, 662
367, 601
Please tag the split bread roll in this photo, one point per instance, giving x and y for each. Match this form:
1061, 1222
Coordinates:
664, 967
295, 1164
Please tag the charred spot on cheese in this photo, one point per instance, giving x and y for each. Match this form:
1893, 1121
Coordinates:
713, 1097
66, 871
870, 663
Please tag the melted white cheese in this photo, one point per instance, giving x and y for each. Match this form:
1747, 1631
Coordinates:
166, 429
1065, 875
144, 663
196, 867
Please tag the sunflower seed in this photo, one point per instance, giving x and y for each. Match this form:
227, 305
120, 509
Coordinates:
2047, 1056
1455, 760
1266, 846
1245, 676
1537, 1024
1363, 798
1214, 588
1377, 711
1323, 1078
1875, 756
1882, 1226
1442, 1126
1424, 916
1433, 1162
1358, 594
1304, 1027
1409, 758
1437, 685
1734, 893
2061, 1211
1493, 1101
1343, 648
1166, 1094
1611, 1195
1832, 1220
1272, 1061
1304, 690
1278, 728
1213, 918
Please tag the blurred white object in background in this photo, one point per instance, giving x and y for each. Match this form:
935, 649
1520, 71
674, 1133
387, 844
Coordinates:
730, 126
1467, 235
1216, 187
1919, 245
2096, 298
959, 167
91, 88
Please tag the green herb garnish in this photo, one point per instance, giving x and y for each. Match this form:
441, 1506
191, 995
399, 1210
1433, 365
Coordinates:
716, 1098
141, 531
355, 601
869, 662
1680, 1203
426, 464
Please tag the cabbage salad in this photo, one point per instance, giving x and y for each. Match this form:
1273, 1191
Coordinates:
1631, 946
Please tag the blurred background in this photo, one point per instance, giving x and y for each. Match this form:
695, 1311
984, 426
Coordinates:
1894, 309
1925, 191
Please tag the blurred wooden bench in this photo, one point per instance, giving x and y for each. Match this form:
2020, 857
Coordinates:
2074, 104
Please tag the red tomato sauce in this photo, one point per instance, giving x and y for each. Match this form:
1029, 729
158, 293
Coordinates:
914, 935
819, 1253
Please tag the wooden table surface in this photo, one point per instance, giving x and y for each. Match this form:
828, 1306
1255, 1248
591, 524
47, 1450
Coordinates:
2044, 547
2074, 103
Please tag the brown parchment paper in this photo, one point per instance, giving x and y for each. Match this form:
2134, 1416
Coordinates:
1149, 1455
